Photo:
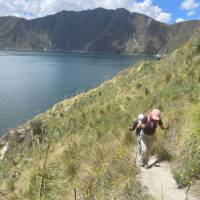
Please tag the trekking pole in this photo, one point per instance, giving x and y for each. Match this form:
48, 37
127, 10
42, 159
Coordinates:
136, 155
187, 191
137, 151
132, 147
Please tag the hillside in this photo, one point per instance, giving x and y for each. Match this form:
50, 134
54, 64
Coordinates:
98, 30
81, 149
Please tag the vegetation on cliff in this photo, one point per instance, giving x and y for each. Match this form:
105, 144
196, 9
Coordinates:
81, 149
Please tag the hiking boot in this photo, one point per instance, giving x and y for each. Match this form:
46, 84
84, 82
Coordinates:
148, 166
143, 164
157, 164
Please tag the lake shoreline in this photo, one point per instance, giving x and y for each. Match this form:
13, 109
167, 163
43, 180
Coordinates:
32, 82
78, 52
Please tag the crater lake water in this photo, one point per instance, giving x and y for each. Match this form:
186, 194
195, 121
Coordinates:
31, 82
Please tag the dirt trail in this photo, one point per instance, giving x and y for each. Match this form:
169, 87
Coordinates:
161, 185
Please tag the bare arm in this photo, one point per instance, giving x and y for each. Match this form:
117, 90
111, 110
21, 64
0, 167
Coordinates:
140, 125
133, 127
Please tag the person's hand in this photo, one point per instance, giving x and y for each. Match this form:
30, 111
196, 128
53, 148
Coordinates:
143, 126
166, 126
130, 128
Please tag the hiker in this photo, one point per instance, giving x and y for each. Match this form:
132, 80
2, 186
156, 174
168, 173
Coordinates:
149, 124
137, 130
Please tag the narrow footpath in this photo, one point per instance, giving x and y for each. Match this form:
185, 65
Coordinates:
160, 184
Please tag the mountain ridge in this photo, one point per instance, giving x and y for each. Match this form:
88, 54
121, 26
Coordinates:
95, 31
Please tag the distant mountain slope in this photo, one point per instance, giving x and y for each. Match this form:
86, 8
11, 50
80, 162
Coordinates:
98, 30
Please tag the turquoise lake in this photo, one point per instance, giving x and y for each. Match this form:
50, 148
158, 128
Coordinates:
31, 82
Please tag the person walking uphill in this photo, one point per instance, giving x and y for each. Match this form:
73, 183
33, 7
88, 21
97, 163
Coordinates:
149, 124
137, 131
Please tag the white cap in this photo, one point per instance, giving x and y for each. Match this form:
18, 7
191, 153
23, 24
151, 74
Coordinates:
140, 116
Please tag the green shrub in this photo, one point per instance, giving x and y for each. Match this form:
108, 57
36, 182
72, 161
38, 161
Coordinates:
40, 184
139, 85
162, 153
128, 98
129, 138
71, 169
183, 177
168, 77
37, 126
146, 91
10, 185
196, 47
190, 154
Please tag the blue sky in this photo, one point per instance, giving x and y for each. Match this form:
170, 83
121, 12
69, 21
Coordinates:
167, 11
178, 11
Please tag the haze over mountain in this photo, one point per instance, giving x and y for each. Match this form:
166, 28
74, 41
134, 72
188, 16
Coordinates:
98, 30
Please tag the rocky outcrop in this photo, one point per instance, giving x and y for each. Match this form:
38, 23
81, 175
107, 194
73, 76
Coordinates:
98, 30
29, 134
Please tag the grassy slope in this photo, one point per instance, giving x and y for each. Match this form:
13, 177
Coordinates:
89, 145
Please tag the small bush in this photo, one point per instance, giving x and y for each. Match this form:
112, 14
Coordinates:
83, 115
188, 59
40, 184
139, 85
183, 176
62, 115
192, 98
190, 153
128, 98
108, 107
197, 47
10, 185
37, 126
168, 77
146, 91
128, 138
71, 169
162, 153
101, 111
71, 153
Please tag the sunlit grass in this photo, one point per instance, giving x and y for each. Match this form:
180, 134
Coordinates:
91, 151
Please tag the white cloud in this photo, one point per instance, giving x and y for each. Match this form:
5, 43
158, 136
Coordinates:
189, 4
179, 20
20, 8
190, 13
147, 7
39, 8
